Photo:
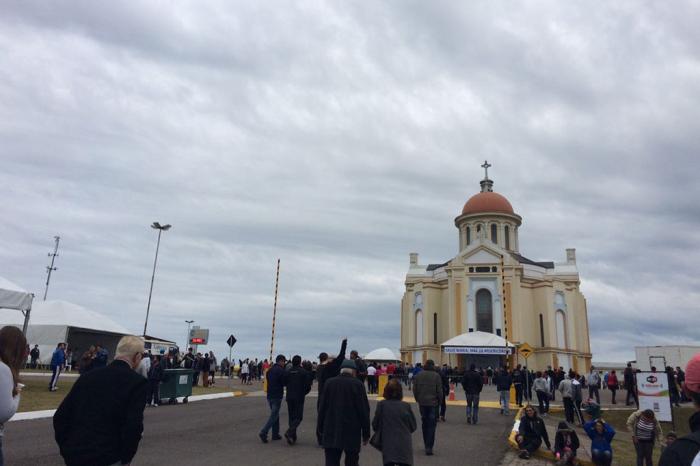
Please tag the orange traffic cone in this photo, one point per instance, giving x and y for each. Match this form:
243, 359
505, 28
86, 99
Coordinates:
452, 392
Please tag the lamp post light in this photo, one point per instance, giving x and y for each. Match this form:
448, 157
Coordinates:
161, 229
187, 340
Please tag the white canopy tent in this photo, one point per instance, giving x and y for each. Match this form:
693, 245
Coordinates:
477, 343
382, 355
14, 297
57, 321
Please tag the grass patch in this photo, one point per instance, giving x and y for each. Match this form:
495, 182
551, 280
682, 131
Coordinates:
36, 395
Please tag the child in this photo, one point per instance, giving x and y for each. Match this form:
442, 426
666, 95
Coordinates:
565, 445
601, 434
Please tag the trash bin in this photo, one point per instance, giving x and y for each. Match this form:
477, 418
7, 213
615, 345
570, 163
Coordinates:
176, 383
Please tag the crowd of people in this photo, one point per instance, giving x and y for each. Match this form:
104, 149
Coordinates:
86, 435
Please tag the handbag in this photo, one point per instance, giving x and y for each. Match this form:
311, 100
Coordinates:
376, 439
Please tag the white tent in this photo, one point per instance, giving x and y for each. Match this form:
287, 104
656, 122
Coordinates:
14, 297
381, 354
60, 321
477, 343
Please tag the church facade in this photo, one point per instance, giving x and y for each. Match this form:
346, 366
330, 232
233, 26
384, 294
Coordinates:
489, 286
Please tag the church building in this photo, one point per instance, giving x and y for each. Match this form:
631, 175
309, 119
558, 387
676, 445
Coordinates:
491, 292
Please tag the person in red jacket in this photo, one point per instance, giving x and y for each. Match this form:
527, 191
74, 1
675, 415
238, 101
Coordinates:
613, 385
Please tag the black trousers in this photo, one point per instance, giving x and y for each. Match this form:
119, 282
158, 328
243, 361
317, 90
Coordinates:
519, 394
569, 409
153, 392
632, 393
593, 393
352, 458
645, 451
295, 408
543, 400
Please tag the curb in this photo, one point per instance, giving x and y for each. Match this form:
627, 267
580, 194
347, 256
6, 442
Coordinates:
540, 453
47, 413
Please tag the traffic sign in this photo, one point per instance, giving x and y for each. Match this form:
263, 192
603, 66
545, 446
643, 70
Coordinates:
231, 340
525, 350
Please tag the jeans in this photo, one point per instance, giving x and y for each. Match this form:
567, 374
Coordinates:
274, 420
428, 416
644, 452
593, 392
504, 398
601, 457
443, 402
632, 393
153, 392
295, 408
473, 407
614, 391
543, 399
352, 458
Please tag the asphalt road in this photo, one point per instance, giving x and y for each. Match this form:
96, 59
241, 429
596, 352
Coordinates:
224, 431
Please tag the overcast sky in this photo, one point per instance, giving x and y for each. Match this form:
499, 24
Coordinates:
339, 137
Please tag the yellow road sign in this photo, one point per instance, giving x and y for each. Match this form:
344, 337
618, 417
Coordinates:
525, 350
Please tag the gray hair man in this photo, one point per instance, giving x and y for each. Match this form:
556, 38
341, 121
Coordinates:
101, 419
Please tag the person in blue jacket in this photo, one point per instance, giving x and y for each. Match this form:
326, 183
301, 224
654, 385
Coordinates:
601, 434
58, 361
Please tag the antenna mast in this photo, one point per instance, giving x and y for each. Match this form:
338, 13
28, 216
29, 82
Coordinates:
51, 268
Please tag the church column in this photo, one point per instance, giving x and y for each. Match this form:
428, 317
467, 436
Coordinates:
515, 239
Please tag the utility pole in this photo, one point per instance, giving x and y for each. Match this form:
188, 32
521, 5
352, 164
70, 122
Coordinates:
274, 311
51, 268
161, 229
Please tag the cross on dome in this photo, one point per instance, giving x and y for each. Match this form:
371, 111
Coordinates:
486, 167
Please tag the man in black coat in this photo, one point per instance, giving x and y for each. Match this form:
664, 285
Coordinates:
343, 417
327, 369
298, 382
472, 382
100, 421
275, 392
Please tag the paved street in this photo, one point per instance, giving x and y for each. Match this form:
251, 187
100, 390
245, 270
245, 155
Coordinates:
225, 432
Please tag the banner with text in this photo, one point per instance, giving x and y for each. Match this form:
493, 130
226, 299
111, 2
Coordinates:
476, 350
652, 388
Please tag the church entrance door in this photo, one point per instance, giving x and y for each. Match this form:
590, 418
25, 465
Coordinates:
484, 311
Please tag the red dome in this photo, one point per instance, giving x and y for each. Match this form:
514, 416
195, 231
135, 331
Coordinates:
487, 202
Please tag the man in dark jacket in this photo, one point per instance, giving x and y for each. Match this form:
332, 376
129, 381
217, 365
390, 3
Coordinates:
101, 419
427, 390
275, 392
298, 382
686, 450
518, 383
155, 376
361, 366
472, 382
327, 369
343, 417
503, 381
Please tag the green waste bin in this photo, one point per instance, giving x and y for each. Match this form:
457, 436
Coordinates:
176, 383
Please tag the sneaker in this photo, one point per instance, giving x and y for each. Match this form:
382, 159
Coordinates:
523, 454
290, 441
276, 437
263, 437
469, 420
429, 452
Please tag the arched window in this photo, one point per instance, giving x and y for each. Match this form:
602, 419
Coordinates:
435, 328
562, 340
469, 236
506, 234
419, 327
484, 311
494, 233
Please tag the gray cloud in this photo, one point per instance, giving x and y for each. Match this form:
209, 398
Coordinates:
340, 138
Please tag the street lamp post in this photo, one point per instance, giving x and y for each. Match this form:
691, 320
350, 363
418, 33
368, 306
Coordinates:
187, 340
161, 229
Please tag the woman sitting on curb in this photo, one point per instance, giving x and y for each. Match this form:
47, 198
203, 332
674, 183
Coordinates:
531, 433
601, 435
565, 445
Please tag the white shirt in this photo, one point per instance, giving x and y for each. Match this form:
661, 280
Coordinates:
8, 403
371, 370
244, 368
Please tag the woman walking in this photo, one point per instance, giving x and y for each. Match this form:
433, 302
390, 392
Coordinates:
13, 353
601, 435
531, 433
646, 430
394, 423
